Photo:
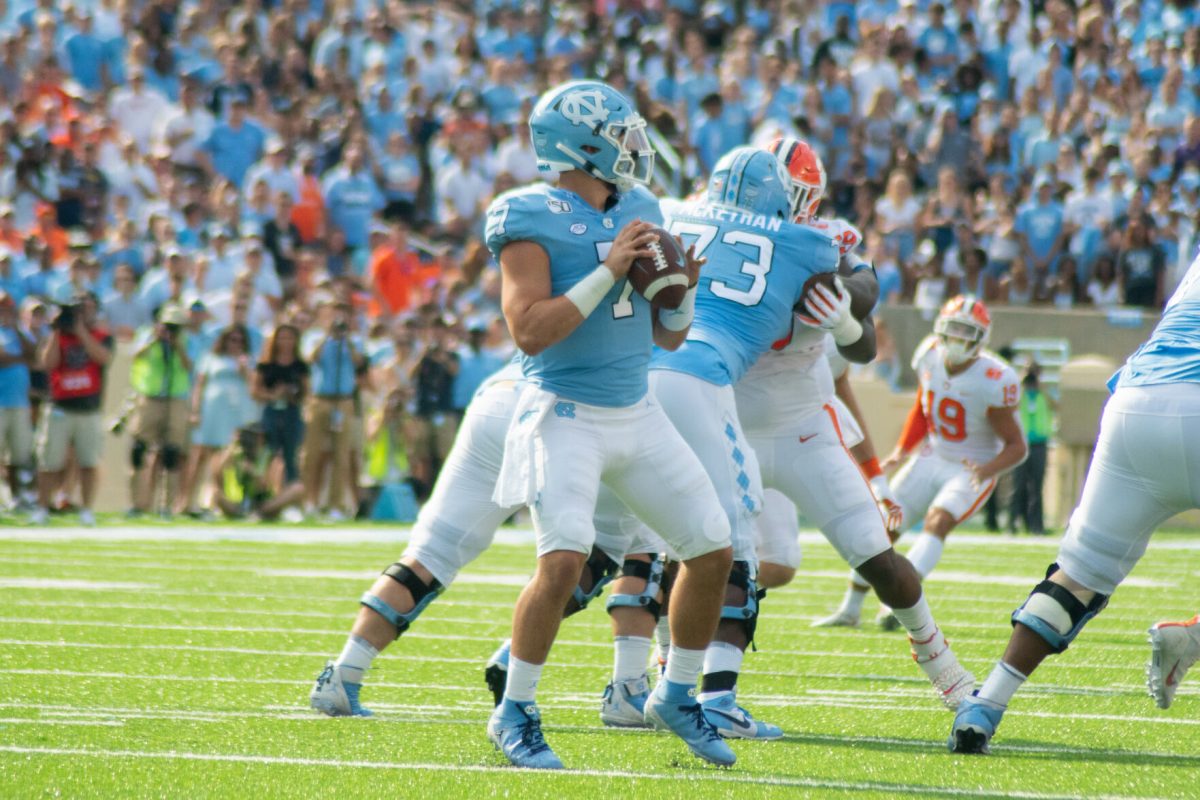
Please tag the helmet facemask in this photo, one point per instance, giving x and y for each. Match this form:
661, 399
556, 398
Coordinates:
961, 340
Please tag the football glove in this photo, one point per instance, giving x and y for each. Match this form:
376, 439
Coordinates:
831, 312
893, 515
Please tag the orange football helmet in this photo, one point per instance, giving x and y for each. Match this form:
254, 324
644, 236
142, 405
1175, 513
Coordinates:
962, 326
807, 173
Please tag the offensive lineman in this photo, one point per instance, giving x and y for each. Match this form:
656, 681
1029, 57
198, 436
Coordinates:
584, 416
964, 421
787, 405
758, 264
1145, 469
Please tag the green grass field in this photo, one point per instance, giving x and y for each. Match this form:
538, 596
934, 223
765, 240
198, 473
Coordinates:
157, 667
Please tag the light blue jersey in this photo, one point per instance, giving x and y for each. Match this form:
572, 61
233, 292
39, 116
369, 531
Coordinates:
604, 361
1172, 353
756, 270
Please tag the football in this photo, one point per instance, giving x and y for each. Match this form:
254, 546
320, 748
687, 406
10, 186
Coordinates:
825, 278
661, 279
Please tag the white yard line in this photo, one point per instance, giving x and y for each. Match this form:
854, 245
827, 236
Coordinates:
707, 776
875, 702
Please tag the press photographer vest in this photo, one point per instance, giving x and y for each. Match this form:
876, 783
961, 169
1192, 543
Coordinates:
148, 375
77, 375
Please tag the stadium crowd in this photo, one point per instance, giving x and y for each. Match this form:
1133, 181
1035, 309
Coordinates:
278, 203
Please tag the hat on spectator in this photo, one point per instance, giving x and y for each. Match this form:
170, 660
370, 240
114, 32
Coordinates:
65, 294
1115, 170
172, 314
197, 306
7, 210
380, 229
218, 231
6, 252
1041, 181
171, 251
274, 145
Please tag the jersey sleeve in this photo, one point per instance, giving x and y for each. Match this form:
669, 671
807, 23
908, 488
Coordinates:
511, 217
649, 208
1003, 389
924, 350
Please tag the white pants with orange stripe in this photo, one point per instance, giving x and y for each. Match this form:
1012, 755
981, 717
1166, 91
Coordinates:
929, 481
812, 467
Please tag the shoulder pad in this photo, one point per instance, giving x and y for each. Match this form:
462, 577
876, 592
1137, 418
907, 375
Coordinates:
927, 346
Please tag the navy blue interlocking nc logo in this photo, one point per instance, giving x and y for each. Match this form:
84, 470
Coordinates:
565, 410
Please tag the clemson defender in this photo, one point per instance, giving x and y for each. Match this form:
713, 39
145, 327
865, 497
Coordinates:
965, 425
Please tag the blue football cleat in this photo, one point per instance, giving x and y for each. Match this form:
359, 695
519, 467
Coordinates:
673, 707
624, 702
335, 697
516, 730
496, 671
975, 723
734, 722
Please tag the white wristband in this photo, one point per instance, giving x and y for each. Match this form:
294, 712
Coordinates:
591, 290
678, 319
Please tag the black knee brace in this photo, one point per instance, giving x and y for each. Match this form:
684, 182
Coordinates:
137, 454
602, 570
172, 457
422, 596
652, 573
747, 613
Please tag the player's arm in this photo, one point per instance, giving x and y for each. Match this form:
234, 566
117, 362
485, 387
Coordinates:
858, 276
1003, 420
916, 425
864, 451
671, 325
535, 318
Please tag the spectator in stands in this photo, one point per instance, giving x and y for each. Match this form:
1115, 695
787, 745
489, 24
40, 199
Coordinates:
280, 384
1037, 420
1141, 266
1104, 288
234, 145
352, 197
335, 357
433, 382
220, 404
123, 308
474, 365
17, 353
74, 355
160, 375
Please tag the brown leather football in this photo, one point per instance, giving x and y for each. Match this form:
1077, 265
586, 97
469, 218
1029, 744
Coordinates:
661, 279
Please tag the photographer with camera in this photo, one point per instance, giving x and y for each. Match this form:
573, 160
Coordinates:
243, 489
75, 355
161, 377
335, 362
434, 421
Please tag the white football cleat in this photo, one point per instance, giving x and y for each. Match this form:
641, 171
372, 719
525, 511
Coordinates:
951, 680
624, 703
1174, 647
886, 620
841, 618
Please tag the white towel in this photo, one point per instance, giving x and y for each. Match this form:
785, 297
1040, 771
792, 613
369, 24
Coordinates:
523, 471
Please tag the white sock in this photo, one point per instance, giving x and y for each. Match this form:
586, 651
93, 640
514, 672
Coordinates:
721, 657
852, 601
684, 666
1002, 684
355, 659
925, 554
662, 633
522, 680
630, 654
918, 621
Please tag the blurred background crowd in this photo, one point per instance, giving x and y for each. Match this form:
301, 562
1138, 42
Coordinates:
278, 204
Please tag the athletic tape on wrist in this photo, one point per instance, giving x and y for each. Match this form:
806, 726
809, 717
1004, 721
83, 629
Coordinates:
591, 290
847, 332
870, 467
680, 318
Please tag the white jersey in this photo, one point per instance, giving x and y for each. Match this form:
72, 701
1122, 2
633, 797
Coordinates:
846, 235
794, 379
956, 406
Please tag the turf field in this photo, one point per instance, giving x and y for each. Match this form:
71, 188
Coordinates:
180, 667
